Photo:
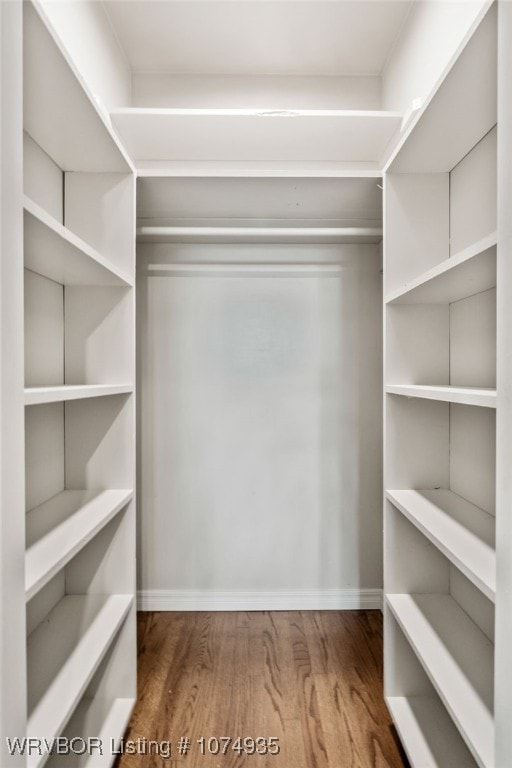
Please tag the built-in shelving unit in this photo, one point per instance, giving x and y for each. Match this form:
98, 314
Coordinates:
443, 407
78, 220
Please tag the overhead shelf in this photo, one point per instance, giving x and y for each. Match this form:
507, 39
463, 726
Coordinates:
458, 658
58, 110
57, 253
262, 136
62, 526
171, 234
249, 169
40, 395
465, 273
428, 734
462, 531
64, 651
482, 396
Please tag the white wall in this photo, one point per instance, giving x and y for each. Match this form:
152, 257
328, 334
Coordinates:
86, 32
430, 36
260, 429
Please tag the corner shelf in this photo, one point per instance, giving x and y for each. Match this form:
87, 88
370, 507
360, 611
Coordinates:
428, 734
465, 273
64, 651
480, 396
41, 395
458, 658
55, 252
256, 134
460, 530
62, 526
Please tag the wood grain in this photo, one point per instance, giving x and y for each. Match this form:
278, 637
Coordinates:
312, 679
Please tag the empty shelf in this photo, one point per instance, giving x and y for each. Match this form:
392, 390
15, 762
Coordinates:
40, 395
465, 273
99, 719
258, 135
64, 651
55, 252
458, 659
59, 528
462, 531
483, 396
428, 734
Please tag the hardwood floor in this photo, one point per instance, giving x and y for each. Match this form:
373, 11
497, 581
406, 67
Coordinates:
311, 679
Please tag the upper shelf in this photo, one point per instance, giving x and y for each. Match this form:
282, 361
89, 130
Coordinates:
460, 112
249, 169
59, 112
465, 273
257, 135
55, 252
482, 396
60, 394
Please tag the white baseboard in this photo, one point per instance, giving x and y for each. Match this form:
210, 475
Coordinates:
278, 600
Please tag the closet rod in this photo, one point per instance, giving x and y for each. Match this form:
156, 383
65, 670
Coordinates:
256, 234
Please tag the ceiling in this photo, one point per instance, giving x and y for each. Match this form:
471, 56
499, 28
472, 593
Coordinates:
258, 37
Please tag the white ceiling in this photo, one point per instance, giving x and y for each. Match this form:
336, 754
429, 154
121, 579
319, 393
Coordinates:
257, 37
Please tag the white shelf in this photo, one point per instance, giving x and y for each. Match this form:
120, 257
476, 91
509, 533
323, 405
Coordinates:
55, 252
172, 234
64, 651
102, 720
59, 528
59, 112
429, 736
40, 395
481, 396
458, 659
462, 531
257, 135
250, 169
465, 273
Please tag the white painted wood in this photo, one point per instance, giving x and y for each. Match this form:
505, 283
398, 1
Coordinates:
473, 340
464, 533
44, 453
465, 273
483, 396
457, 116
43, 180
249, 134
435, 625
155, 234
473, 191
416, 226
478, 606
63, 654
429, 736
57, 253
253, 169
59, 113
417, 344
109, 221
473, 454
59, 528
271, 600
40, 395
44, 331
95, 719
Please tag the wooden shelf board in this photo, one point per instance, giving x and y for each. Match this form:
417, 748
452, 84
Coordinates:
102, 720
428, 734
64, 651
255, 170
481, 396
458, 658
40, 395
55, 252
459, 529
465, 273
62, 526
259, 135
174, 234
60, 113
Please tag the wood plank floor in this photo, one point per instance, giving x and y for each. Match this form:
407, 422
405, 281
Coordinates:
312, 679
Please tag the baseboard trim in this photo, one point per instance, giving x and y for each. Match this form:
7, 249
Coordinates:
279, 600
